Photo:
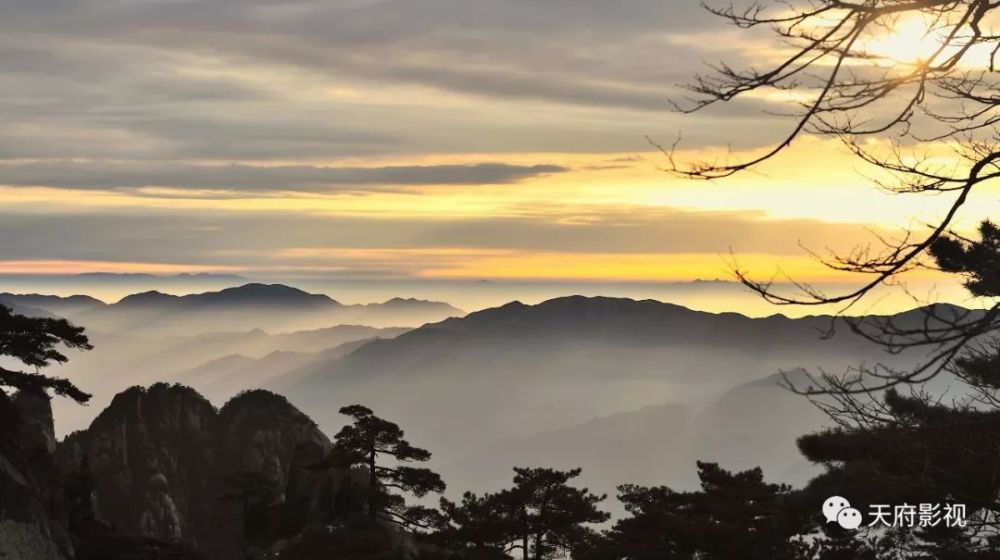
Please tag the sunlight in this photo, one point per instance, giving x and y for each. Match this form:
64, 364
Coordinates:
908, 41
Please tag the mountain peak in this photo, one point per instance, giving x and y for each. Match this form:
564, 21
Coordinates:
400, 300
256, 294
248, 295
151, 297
39, 305
575, 313
414, 303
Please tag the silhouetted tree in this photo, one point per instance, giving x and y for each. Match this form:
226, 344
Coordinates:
554, 514
481, 527
895, 445
542, 516
891, 445
928, 125
371, 441
922, 448
734, 515
847, 91
35, 342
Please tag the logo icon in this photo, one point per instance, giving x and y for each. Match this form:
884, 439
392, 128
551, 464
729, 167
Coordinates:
849, 518
838, 510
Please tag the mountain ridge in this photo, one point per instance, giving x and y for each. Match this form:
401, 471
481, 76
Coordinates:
592, 315
278, 307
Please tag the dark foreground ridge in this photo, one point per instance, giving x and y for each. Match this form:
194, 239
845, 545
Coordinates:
161, 473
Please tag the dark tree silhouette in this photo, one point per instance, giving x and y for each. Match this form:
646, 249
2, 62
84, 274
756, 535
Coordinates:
895, 445
916, 447
482, 527
35, 342
912, 451
853, 93
371, 441
541, 516
554, 515
734, 515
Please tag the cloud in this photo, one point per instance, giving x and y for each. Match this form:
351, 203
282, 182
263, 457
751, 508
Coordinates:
232, 80
249, 178
244, 97
296, 242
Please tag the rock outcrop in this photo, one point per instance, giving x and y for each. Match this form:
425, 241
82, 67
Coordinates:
146, 450
30, 524
168, 466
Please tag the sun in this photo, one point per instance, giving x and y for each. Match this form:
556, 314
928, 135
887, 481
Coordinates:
908, 41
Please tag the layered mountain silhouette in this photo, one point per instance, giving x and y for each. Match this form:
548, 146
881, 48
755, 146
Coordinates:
754, 424
253, 295
661, 381
36, 305
224, 377
575, 358
220, 364
613, 385
275, 307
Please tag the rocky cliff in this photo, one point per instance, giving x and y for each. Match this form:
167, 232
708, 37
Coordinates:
46, 514
167, 465
30, 522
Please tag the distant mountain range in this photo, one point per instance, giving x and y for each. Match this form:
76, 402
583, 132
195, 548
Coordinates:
275, 307
629, 390
248, 295
37, 305
499, 385
219, 364
224, 377
754, 424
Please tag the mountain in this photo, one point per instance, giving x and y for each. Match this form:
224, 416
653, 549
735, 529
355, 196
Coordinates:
517, 370
28, 311
48, 513
754, 424
264, 295
244, 305
177, 353
275, 307
757, 424
30, 527
163, 457
138, 357
224, 377
641, 446
53, 305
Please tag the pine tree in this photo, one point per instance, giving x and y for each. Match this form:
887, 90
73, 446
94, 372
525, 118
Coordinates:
734, 515
541, 516
917, 448
482, 527
35, 342
369, 443
554, 514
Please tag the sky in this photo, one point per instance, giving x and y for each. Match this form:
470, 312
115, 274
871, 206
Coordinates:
393, 141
